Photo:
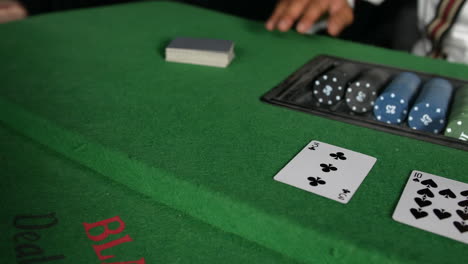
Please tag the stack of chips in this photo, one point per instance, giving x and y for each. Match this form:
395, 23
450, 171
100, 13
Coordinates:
430, 109
361, 93
392, 105
457, 126
329, 88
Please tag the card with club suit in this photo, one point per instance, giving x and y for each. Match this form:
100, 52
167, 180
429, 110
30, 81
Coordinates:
327, 170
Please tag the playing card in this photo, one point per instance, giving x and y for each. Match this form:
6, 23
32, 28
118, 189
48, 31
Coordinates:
210, 52
213, 45
435, 204
327, 170
319, 26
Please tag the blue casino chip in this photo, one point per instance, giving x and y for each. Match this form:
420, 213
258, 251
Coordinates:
429, 112
393, 103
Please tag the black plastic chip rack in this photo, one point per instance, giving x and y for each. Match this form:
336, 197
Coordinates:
295, 92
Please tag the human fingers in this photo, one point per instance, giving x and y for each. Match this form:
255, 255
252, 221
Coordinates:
279, 9
314, 10
293, 11
341, 15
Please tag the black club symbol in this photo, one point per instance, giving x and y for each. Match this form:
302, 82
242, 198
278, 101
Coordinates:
338, 155
316, 181
327, 168
346, 191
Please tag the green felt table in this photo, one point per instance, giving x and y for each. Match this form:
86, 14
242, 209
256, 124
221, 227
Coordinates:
96, 124
50, 184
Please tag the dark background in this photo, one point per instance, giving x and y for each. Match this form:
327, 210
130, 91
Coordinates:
392, 25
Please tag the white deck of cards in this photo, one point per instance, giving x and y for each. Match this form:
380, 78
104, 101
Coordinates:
209, 52
435, 204
327, 170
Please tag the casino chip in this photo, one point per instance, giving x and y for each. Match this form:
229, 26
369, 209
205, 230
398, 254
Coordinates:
457, 125
361, 93
392, 104
329, 88
430, 109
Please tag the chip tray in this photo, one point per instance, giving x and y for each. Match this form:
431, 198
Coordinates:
295, 93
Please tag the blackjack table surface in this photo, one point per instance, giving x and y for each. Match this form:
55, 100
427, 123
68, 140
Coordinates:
95, 125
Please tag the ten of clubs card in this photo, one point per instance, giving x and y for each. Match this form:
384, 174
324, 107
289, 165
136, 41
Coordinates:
327, 170
435, 204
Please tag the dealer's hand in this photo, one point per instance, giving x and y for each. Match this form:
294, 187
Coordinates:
307, 12
11, 10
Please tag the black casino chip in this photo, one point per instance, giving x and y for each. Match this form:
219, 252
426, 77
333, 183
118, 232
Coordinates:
329, 88
362, 92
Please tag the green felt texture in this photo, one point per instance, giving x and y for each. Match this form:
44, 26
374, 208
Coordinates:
43, 182
93, 85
